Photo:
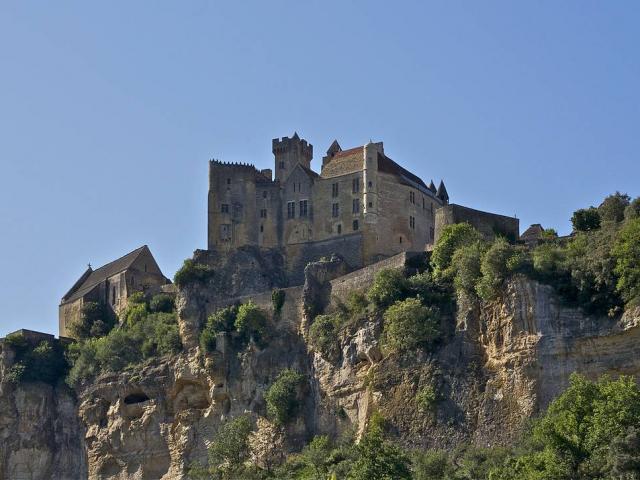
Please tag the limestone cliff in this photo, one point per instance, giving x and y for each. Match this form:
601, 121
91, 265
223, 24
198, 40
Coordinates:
499, 365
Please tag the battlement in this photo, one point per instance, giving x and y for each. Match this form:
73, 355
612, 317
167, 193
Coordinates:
285, 144
242, 165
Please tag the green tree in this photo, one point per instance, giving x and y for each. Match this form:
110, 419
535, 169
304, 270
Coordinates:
96, 320
408, 324
432, 465
223, 320
377, 458
586, 219
282, 396
465, 267
192, 272
389, 286
633, 210
162, 303
230, 448
452, 237
251, 321
613, 207
626, 252
323, 335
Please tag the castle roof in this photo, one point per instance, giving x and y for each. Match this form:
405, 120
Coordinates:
532, 233
442, 192
385, 164
90, 278
343, 163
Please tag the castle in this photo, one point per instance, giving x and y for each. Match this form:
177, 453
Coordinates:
362, 205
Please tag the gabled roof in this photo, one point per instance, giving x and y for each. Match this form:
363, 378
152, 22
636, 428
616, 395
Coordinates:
385, 164
533, 232
90, 278
343, 163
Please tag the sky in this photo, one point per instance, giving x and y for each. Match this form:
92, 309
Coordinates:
109, 112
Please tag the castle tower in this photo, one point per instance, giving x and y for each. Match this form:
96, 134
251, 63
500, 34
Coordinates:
288, 152
370, 180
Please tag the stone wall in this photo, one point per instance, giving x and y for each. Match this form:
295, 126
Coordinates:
489, 224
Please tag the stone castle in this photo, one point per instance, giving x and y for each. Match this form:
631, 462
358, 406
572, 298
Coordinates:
362, 205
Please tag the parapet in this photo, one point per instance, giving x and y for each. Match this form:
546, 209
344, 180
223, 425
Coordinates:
488, 224
284, 144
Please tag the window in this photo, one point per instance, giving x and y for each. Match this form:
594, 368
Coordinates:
356, 205
432, 209
113, 295
355, 225
263, 213
264, 194
291, 209
412, 197
355, 185
400, 239
423, 203
339, 229
228, 181
370, 204
412, 222
261, 228
334, 189
370, 184
224, 208
335, 210
303, 208
225, 232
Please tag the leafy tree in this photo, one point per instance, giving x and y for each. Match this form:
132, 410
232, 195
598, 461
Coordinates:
192, 272
221, 321
408, 324
282, 396
323, 335
586, 219
624, 455
389, 286
452, 238
43, 363
613, 207
230, 448
627, 257
95, 320
252, 322
633, 210
465, 267
162, 303
432, 465
378, 458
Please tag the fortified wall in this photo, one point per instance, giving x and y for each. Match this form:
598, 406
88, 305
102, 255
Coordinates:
489, 224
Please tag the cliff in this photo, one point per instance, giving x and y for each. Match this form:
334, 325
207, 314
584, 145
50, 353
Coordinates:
498, 366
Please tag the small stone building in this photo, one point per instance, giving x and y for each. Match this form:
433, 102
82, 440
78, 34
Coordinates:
112, 284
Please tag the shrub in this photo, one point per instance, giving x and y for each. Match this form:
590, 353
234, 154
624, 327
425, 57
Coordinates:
465, 267
230, 447
323, 335
633, 210
586, 219
389, 286
221, 321
282, 396
426, 399
192, 272
495, 268
135, 313
162, 303
251, 322
627, 261
43, 363
277, 299
408, 324
96, 320
613, 207
357, 304
452, 237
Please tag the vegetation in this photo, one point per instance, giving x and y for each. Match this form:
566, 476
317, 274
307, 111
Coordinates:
192, 272
282, 396
44, 362
323, 335
96, 320
626, 252
251, 322
427, 398
277, 299
408, 324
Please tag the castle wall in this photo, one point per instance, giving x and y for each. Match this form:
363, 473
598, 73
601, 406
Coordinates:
298, 187
326, 226
489, 224
68, 313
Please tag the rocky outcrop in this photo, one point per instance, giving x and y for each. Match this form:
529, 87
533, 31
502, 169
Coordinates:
500, 364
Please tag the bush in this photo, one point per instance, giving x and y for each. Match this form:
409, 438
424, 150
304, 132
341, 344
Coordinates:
251, 322
426, 399
162, 303
465, 267
408, 325
613, 207
192, 272
96, 320
221, 321
135, 313
43, 363
497, 265
282, 396
626, 252
586, 219
452, 237
389, 286
323, 335
230, 447
277, 299
633, 210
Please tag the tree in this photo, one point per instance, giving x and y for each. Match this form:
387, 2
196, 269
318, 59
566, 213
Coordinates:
323, 335
282, 396
377, 458
389, 286
162, 303
95, 321
252, 322
230, 447
586, 219
192, 272
452, 237
626, 252
465, 267
633, 210
408, 324
612, 208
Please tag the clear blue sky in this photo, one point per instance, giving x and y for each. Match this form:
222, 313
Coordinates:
109, 112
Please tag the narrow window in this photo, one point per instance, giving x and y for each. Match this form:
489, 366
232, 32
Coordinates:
400, 239
264, 194
339, 229
355, 225
224, 208
228, 181
370, 184
263, 213
261, 228
113, 295
303, 208
335, 210
356, 205
370, 204
423, 203
355, 185
334, 189
291, 209
294, 187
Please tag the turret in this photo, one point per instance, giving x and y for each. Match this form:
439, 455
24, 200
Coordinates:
288, 152
370, 180
333, 149
442, 193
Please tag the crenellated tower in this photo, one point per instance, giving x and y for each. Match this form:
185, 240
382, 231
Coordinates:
288, 152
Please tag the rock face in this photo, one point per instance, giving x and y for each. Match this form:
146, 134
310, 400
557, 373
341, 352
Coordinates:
501, 364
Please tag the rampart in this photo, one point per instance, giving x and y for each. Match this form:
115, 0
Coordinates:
489, 224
